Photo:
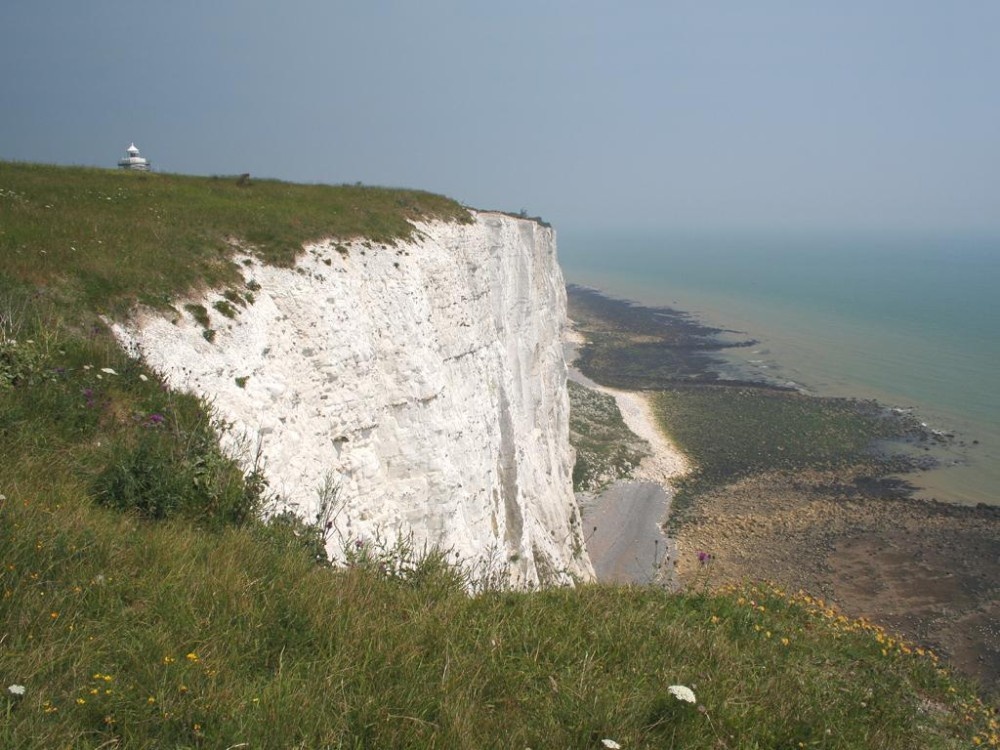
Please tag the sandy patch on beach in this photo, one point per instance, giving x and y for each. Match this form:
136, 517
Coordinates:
626, 541
665, 461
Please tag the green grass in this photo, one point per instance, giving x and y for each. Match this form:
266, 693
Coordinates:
105, 238
148, 634
144, 603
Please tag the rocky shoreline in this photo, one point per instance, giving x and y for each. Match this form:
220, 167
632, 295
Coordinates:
843, 526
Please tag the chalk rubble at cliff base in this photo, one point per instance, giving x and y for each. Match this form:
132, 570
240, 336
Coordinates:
425, 379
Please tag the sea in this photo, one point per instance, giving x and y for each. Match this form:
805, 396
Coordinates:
910, 320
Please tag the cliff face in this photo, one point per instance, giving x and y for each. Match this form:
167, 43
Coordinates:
427, 380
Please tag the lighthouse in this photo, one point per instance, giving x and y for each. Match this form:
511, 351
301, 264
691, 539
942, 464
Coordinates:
132, 160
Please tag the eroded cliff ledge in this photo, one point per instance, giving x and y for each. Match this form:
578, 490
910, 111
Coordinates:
426, 379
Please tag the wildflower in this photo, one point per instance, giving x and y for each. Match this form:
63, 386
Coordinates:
81, 701
108, 370
155, 419
703, 557
151, 700
192, 657
143, 378
15, 689
54, 615
168, 659
610, 744
682, 693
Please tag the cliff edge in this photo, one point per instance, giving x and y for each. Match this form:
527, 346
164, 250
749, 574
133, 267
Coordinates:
425, 379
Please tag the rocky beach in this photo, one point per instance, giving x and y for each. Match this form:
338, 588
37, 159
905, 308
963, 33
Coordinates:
774, 485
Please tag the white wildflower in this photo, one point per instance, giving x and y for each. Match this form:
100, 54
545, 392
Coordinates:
15, 689
682, 693
610, 744
108, 370
143, 378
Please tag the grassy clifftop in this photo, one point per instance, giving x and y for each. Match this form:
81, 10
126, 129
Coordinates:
109, 237
144, 604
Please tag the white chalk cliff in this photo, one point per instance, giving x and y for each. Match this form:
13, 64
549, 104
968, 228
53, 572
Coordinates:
426, 379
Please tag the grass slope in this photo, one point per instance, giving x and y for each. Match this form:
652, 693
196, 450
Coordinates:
105, 238
144, 604
159, 634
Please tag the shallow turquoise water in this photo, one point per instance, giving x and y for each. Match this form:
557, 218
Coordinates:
909, 320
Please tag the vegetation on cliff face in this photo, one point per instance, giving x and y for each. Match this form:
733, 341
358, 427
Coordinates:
143, 603
606, 449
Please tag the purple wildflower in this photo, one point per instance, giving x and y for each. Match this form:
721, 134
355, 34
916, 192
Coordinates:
703, 557
155, 419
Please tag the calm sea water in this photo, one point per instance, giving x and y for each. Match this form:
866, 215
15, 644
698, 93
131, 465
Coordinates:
909, 320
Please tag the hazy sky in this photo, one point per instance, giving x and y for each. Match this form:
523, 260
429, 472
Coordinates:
730, 114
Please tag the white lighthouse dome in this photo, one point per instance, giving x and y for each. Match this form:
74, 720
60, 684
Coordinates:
133, 160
